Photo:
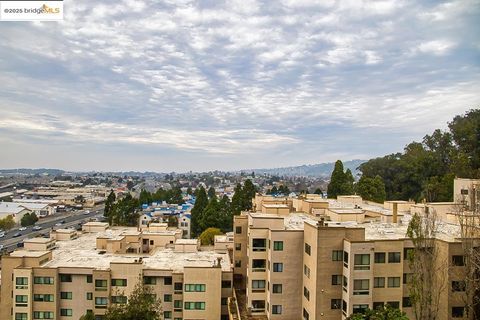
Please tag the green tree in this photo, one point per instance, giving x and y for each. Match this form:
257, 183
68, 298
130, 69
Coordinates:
211, 215
88, 316
145, 197
141, 304
371, 189
28, 219
211, 192
248, 193
226, 215
208, 236
201, 202
318, 191
109, 204
124, 212
189, 191
7, 223
237, 199
384, 313
130, 184
341, 183
80, 199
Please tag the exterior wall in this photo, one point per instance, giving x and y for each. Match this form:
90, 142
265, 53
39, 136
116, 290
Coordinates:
402, 206
354, 200
48, 244
240, 259
212, 279
466, 191
276, 209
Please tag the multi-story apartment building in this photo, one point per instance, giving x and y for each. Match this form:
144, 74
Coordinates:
66, 279
298, 266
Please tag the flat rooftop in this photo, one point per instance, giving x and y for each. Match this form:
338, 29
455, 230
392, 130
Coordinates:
266, 205
28, 254
38, 240
82, 253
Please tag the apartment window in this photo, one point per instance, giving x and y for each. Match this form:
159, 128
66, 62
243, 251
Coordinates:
276, 309
306, 270
66, 312
379, 282
278, 245
258, 265
43, 297
344, 306
361, 287
100, 285
345, 283
345, 259
337, 255
226, 284
119, 282
378, 305
167, 298
21, 282
119, 299
394, 257
177, 286
66, 295
336, 279
258, 305
458, 261
65, 278
238, 246
177, 304
42, 315
167, 314
308, 249
238, 263
89, 278
194, 287
361, 262
277, 267
464, 192
457, 312
238, 230
21, 300
43, 280
458, 286
259, 244
393, 282
306, 293
89, 296
21, 316
258, 285
394, 304
277, 288
406, 302
101, 302
336, 304
167, 281
194, 305
379, 257
360, 308
149, 280
306, 316
407, 253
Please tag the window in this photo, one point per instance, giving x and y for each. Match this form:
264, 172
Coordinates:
458, 286
192, 287
119, 299
89, 296
308, 249
43, 280
276, 309
167, 298
167, 314
43, 297
21, 316
393, 282
258, 285
238, 230
42, 315
394, 257
258, 305
344, 306
458, 261
379, 257
336, 279
278, 245
345, 283
66, 295
337, 255
238, 263
457, 312
406, 302
66, 312
277, 288
21, 282
194, 305
119, 282
361, 262
149, 280
394, 304
377, 305
226, 284
167, 281
65, 278
464, 192
151, 242
360, 308
345, 259
306, 316
100, 285
336, 304
306, 271
101, 302
306, 293
177, 286
258, 265
177, 304
259, 244
238, 246
407, 253
21, 300
361, 287
89, 278
277, 267
379, 282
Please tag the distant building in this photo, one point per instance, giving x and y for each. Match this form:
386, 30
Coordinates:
13, 209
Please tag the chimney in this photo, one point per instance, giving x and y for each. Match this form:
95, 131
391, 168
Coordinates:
321, 222
395, 212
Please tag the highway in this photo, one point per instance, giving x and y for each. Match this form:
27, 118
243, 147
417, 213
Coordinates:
72, 219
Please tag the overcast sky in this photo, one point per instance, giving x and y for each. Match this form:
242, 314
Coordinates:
201, 85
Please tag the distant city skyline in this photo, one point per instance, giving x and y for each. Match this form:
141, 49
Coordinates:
186, 85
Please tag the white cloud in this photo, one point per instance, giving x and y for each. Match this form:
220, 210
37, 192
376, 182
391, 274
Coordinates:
436, 47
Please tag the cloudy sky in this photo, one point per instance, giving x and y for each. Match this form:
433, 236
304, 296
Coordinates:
200, 85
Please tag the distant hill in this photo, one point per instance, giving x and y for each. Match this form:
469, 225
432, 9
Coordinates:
322, 170
52, 172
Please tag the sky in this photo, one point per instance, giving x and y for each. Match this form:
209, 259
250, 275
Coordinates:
181, 85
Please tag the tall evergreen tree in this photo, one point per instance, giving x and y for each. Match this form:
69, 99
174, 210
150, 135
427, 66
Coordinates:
211, 192
109, 204
248, 193
201, 202
341, 183
237, 199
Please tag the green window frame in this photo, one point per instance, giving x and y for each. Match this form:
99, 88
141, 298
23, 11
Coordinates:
278, 245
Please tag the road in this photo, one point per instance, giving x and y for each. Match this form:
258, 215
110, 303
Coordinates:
72, 218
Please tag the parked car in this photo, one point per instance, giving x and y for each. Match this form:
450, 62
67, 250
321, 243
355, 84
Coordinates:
86, 212
18, 234
1, 246
2, 234
20, 245
36, 228
22, 228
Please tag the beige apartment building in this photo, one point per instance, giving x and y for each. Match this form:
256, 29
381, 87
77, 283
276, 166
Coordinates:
65, 278
299, 266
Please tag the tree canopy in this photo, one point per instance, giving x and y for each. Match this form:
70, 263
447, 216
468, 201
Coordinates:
341, 182
383, 313
208, 236
28, 219
7, 223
